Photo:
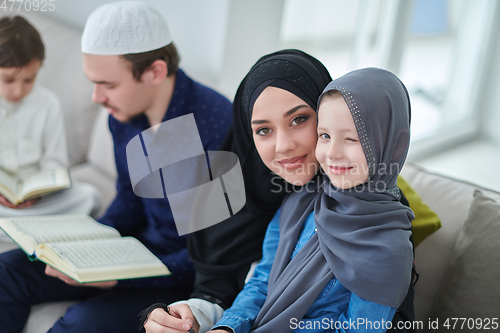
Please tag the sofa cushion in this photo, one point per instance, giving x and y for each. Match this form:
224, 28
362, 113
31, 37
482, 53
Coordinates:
470, 287
101, 152
92, 174
450, 199
426, 220
100, 168
42, 317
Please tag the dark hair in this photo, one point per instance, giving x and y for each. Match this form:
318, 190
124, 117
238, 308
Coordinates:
332, 93
329, 94
142, 61
20, 42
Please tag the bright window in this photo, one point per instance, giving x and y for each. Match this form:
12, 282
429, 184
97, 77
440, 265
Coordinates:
436, 47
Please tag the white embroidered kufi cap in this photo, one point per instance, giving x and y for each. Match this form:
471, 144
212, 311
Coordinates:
125, 27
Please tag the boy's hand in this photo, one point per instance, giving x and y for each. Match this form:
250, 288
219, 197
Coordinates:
49, 270
8, 204
179, 319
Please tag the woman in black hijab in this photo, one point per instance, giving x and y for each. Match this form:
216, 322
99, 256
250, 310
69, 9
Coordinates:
223, 253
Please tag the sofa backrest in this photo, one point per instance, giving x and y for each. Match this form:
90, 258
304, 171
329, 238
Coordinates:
62, 72
450, 199
101, 152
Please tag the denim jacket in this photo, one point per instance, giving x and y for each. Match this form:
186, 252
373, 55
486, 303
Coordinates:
336, 309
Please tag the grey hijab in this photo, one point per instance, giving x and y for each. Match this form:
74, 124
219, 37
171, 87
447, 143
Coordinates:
363, 233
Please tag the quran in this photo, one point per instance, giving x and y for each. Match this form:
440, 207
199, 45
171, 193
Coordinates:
82, 248
34, 184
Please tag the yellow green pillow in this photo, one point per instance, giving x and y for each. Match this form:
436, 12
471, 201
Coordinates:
426, 220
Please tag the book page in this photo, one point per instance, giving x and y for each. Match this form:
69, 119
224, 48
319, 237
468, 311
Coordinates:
44, 179
9, 181
96, 254
61, 228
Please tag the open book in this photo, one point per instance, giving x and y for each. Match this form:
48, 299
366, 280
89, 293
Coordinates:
83, 248
34, 184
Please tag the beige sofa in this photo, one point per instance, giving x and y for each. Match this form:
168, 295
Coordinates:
450, 199
90, 148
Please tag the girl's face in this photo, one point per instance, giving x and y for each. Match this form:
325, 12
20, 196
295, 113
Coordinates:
339, 150
284, 132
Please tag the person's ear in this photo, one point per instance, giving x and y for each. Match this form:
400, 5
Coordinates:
157, 72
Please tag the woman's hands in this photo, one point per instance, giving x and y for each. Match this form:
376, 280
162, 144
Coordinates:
179, 319
49, 270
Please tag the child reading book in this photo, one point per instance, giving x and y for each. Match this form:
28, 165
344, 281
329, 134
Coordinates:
340, 254
32, 135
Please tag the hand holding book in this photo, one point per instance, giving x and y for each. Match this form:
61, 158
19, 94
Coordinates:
8, 204
82, 249
17, 189
50, 271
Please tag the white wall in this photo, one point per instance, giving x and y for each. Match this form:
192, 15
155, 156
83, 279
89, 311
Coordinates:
326, 19
490, 105
198, 27
252, 31
218, 40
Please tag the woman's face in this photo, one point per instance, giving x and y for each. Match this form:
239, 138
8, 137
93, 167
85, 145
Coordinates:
284, 132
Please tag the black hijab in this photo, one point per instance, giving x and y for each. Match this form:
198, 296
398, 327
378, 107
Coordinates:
223, 253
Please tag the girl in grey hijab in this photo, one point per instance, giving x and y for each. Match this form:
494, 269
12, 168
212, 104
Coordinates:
342, 254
